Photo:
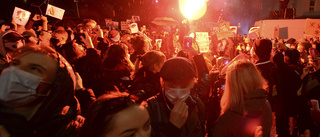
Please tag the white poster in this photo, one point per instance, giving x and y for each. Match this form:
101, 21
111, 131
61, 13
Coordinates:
21, 16
55, 12
202, 38
134, 28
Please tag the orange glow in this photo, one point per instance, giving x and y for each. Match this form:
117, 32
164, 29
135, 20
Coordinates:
193, 9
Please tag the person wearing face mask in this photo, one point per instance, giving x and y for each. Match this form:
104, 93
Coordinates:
175, 111
9, 42
37, 95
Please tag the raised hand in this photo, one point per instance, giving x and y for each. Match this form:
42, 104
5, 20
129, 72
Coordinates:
87, 40
179, 114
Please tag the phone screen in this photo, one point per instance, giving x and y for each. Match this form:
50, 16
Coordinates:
187, 43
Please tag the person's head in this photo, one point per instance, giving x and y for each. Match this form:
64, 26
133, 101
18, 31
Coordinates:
301, 47
117, 115
89, 24
153, 60
115, 54
262, 49
72, 51
178, 78
38, 75
292, 56
30, 36
139, 43
114, 35
59, 37
242, 77
11, 41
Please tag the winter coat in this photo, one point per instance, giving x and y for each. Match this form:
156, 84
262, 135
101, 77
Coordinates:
148, 81
161, 127
236, 122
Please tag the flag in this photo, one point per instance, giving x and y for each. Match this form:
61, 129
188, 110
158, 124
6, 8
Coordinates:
234, 29
21, 16
55, 12
254, 32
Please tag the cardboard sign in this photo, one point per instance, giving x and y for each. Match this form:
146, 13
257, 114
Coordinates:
108, 22
134, 28
226, 34
124, 25
21, 16
312, 28
129, 21
202, 38
135, 18
254, 32
55, 12
225, 27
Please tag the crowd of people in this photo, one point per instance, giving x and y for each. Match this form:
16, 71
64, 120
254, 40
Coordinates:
87, 81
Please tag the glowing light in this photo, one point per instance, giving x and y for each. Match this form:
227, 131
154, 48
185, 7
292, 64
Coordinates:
157, 1
193, 9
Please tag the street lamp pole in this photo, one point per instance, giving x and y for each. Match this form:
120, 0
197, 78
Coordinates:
77, 1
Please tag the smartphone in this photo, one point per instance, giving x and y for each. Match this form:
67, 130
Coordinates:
313, 54
226, 61
315, 104
187, 43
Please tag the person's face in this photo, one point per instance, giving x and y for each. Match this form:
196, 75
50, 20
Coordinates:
89, 26
133, 121
300, 48
38, 64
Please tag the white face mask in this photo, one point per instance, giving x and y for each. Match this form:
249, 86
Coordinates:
115, 39
174, 94
18, 87
13, 45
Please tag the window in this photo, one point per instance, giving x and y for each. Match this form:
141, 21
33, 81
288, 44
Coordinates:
312, 5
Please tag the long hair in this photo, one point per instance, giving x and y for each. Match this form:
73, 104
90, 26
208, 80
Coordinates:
115, 55
148, 59
242, 77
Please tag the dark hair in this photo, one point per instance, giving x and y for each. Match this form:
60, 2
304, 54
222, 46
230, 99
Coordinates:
99, 120
138, 43
71, 52
115, 55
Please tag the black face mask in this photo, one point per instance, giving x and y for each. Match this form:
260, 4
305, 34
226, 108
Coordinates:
54, 41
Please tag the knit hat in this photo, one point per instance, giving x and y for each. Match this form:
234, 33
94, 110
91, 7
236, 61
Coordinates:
177, 68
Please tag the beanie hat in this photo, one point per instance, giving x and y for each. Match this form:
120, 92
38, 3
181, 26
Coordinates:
262, 48
177, 68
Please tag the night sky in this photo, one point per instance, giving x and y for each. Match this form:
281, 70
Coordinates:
244, 12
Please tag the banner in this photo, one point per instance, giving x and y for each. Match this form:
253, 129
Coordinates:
202, 38
134, 28
55, 12
312, 28
21, 16
254, 32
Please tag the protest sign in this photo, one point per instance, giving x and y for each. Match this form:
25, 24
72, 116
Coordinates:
254, 32
124, 25
226, 34
134, 28
234, 29
55, 12
21, 16
312, 28
135, 18
202, 39
224, 26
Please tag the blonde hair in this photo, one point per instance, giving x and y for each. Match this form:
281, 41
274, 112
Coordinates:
242, 77
149, 59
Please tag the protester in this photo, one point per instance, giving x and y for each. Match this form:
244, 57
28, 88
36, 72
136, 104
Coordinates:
176, 111
243, 104
116, 114
37, 95
147, 77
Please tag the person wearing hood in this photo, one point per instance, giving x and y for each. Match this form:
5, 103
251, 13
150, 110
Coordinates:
9, 42
176, 111
244, 105
37, 96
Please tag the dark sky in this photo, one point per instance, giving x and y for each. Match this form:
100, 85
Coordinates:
244, 12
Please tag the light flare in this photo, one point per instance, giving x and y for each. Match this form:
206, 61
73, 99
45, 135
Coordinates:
193, 9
